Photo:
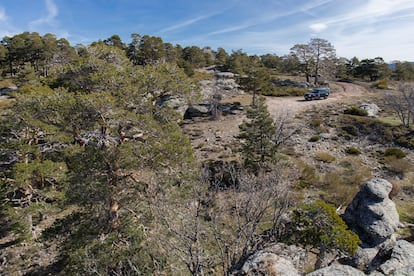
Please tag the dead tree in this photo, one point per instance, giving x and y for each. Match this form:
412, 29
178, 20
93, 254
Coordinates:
402, 102
252, 202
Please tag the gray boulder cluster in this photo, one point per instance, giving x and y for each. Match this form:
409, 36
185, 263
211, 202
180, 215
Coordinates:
224, 85
373, 216
371, 108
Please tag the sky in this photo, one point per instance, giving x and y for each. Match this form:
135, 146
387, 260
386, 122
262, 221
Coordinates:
361, 28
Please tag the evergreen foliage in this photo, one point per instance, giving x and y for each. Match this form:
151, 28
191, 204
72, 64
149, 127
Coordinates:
318, 225
81, 144
258, 148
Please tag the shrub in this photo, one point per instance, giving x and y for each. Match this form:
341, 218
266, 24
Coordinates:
381, 84
352, 151
397, 153
285, 91
349, 131
314, 138
363, 126
357, 111
324, 157
357, 175
308, 176
316, 122
318, 223
397, 166
332, 179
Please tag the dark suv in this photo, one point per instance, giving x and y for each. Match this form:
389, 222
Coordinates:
317, 94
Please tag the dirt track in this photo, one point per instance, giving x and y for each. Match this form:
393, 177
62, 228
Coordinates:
294, 105
215, 138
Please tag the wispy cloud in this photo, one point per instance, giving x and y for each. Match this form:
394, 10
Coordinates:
369, 29
318, 27
369, 13
3, 16
49, 18
267, 16
188, 22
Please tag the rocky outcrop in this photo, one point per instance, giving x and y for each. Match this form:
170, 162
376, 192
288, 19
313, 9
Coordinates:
197, 111
267, 263
401, 261
278, 259
224, 75
224, 86
371, 214
175, 102
288, 82
369, 259
7, 89
371, 109
337, 270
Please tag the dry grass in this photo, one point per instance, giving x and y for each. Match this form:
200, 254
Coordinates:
5, 103
6, 83
390, 120
398, 166
325, 157
243, 99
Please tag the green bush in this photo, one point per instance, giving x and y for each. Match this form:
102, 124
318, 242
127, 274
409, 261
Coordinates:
314, 138
318, 223
399, 154
352, 151
357, 111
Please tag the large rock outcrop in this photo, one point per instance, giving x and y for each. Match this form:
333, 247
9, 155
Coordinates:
372, 214
278, 259
176, 103
337, 270
197, 110
401, 261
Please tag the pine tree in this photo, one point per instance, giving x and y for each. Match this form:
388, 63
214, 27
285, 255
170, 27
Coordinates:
258, 148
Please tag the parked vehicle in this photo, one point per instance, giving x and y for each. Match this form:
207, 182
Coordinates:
317, 93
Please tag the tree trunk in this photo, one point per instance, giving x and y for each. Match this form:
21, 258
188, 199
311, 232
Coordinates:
11, 68
316, 73
30, 224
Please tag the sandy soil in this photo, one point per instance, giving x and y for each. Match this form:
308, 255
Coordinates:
294, 105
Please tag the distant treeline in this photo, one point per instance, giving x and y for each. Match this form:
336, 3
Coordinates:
47, 52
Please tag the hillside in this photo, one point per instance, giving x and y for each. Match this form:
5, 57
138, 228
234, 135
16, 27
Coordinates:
325, 168
136, 160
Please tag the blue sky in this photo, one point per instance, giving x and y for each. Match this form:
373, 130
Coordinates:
362, 28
